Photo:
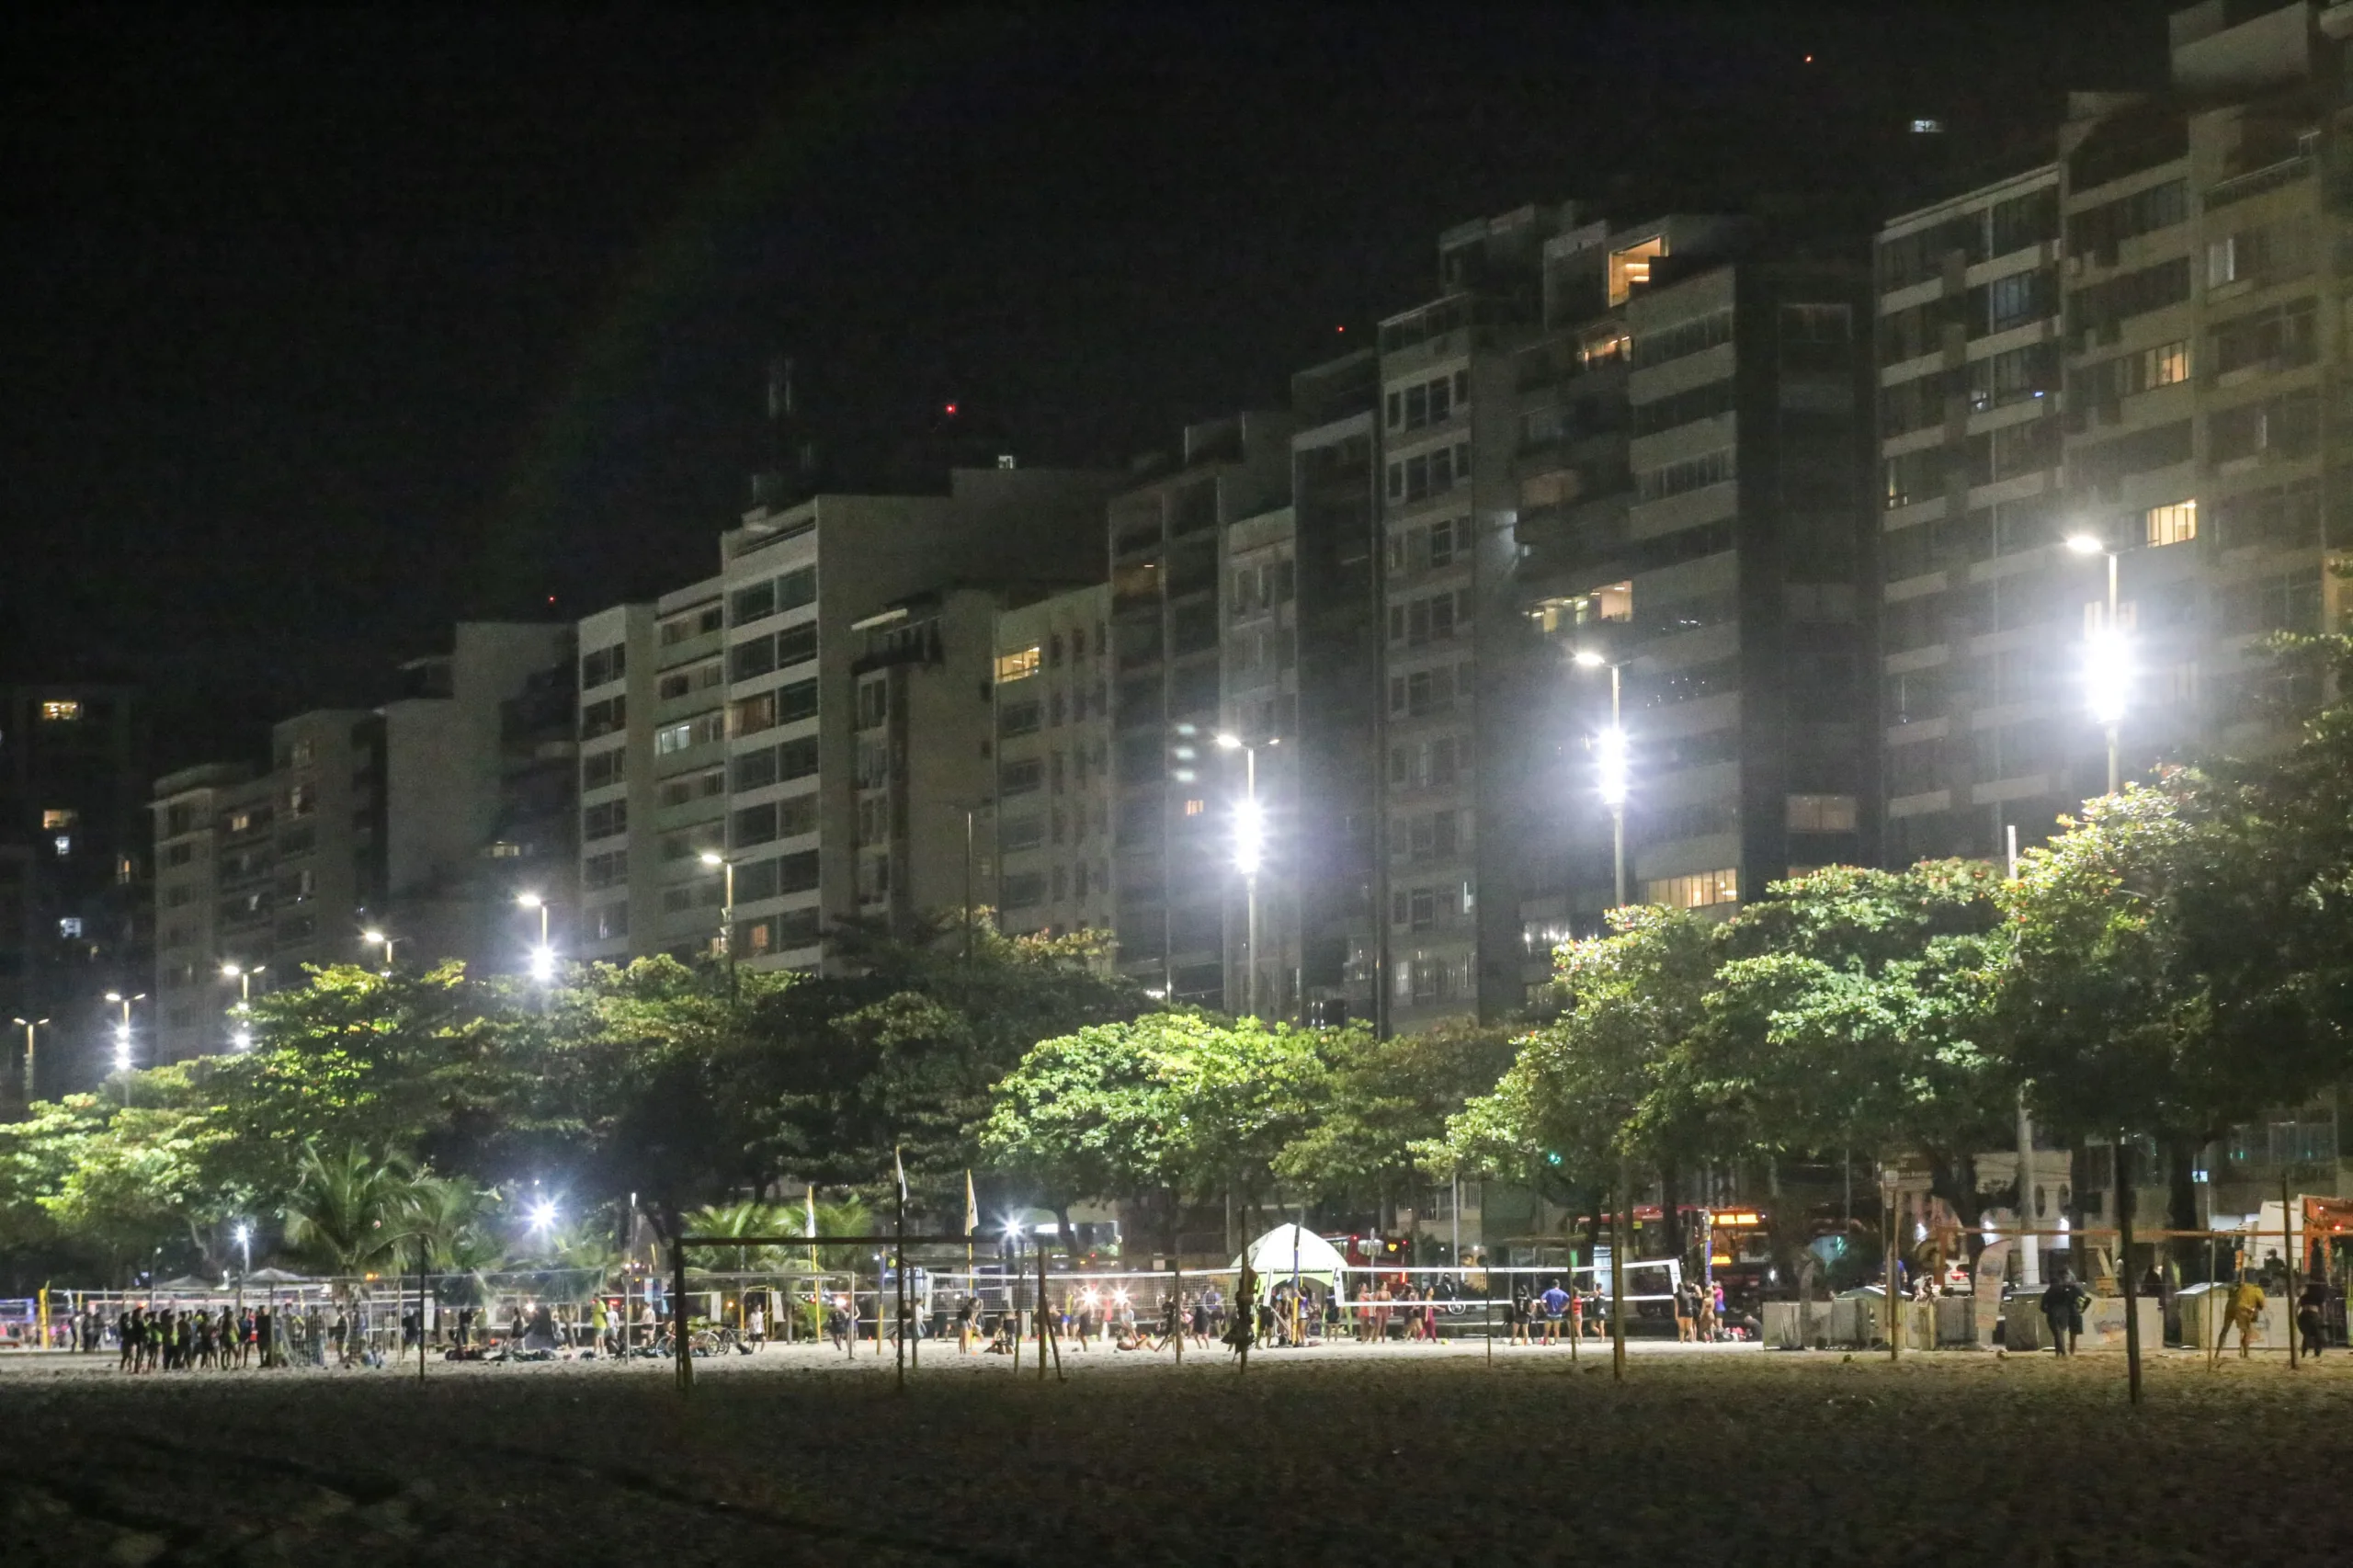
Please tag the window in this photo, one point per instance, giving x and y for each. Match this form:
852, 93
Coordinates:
604, 870
2096, 231
1019, 664
2287, 426
2282, 517
1686, 337
698, 730
609, 922
58, 817
2014, 301
687, 787
604, 664
603, 717
694, 623
2160, 446
61, 710
775, 596
605, 820
1022, 776
2175, 524
599, 768
1822, 814
1195, 808
1692, 474
69, 926
1020, 718
1698, 891
1630, 268
2276, 338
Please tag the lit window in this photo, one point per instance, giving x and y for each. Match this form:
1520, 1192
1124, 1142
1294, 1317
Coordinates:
1698, 891
240, 822
70, 927
2176, 523
56, 819
1195, 808
65, 842
1630, 268
1928, 128
64, 710
1019, 664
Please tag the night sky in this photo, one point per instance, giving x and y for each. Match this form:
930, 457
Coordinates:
323, 331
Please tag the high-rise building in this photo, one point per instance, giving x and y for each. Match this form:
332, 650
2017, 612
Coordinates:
1042, 856
75, 911
421, 820
2170, 266
1694, 441
724, 721
1174, 788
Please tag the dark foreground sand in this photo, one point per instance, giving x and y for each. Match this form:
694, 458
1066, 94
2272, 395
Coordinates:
1405, 1456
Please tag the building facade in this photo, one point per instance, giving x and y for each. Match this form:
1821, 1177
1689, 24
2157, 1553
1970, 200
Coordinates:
75, 916
1045, 848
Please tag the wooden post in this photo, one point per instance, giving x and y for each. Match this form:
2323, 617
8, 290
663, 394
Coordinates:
903, 1288
1044, 1331
2124, 1269
1622, 1231
679, 1316
2288, 1251
1177, 1292
420, 1311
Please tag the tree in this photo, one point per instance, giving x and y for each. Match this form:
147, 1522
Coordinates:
351, 1208
1166, 1109
149, 1179
1848, 1013
1385, 1102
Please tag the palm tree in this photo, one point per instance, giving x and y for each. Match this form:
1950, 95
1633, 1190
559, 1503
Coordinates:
353, 1208
449, 1215
745, 1219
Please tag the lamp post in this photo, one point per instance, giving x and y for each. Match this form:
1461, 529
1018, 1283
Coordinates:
2106, 670
726, 868
122, 1037
543, 956
1613, 771
1249, 846
381, 940
30, 1024
243, 974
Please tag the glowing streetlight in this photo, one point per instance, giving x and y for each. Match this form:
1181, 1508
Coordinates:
1610, 753
2108, 661
380, 939
542, 1214
726, 868
245, 1244
542, 964
122, 1037
1249, 846
28, 1026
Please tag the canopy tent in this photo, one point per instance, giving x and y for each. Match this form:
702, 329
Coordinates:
276, 1277
1289, 1248
187, 1282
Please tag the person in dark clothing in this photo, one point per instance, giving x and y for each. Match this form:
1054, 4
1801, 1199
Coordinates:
2312, 1315
2062, 1309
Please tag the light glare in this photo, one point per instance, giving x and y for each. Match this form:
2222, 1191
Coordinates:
2107, 675
1611, 746
1589, 659
1249, 834
543, 964
2085, 544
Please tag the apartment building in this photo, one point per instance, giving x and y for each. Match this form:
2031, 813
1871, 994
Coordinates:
421, 820
725, 720
1333, 771
75, 921
1045, 846
2134, 346
1174, 866
1694, 431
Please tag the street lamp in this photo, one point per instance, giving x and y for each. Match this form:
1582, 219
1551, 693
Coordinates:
1611, 755
122, 1038
726, 868
2107, 664
383, 940
245, 1245
243, 1036
30, 1024
1249, 848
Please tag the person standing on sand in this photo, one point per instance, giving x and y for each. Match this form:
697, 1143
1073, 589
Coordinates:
2063, 1309
2246, 1303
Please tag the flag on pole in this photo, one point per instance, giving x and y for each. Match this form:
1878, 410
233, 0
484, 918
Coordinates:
812, 1212
901, 1165
972, 1206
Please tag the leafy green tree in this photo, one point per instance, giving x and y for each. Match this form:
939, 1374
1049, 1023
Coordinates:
1385, 1103
1166, 1109
38, 1156
1849, 1012
147, 1181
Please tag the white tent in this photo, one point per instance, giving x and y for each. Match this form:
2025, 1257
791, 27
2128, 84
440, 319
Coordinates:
1273, 1255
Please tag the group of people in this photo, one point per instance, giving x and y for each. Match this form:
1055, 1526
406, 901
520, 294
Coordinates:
180, 1339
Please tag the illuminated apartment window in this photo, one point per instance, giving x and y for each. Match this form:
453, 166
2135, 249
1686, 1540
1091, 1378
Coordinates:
58, 818
1698, 890
69, 926
64, 842
1928, 128
2176, 523
1613, 602
1195, 808
1019, 664
1630, 268
2165, 364
64, 710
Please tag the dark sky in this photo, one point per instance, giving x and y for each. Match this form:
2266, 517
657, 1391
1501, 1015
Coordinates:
324, 329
